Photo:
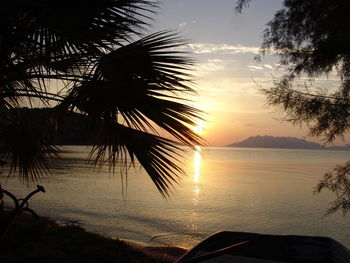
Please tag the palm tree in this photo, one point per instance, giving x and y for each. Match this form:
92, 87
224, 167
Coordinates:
129, 88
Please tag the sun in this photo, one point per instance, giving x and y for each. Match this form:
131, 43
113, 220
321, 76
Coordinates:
198, 126
198, 129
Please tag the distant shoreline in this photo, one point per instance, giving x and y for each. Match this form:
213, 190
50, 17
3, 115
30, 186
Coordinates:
283, 143
284, 148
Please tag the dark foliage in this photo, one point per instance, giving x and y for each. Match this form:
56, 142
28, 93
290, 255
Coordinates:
338, 182
44, 241
312, 39
240, 4
81, 57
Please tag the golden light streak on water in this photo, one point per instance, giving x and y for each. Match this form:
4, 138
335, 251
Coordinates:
197, 164
196, 193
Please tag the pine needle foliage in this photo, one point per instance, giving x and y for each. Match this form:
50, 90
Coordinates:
312, 39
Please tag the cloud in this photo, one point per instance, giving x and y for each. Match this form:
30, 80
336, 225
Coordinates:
254, 68
268, 66
207, 48
212, 65
210, 68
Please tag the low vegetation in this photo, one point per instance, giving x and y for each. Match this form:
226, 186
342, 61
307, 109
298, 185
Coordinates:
31, 240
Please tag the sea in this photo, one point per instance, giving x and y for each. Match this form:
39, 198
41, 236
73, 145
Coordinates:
236, 189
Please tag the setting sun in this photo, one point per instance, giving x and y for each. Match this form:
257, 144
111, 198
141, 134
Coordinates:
198, 129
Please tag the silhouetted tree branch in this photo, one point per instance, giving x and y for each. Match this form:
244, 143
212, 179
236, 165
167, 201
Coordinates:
338, 182
312, 39
240, 4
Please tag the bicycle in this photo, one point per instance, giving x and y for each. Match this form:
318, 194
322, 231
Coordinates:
21, 205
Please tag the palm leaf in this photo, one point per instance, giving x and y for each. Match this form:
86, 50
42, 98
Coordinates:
37, 28
47, 36
110, 78
122, 146
138, 84
24, 146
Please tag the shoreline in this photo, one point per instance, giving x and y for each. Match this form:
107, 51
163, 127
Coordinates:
160, 253
45, 240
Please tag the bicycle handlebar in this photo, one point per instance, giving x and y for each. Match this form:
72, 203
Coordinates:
37, 190
24, 200
9, 194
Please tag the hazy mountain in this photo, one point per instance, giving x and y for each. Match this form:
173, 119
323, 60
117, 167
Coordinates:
277, 142
72, 132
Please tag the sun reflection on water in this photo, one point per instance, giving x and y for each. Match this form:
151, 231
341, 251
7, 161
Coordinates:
197, 164
196, 192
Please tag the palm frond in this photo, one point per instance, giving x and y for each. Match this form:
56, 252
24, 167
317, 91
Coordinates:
124, 147
128, 89
67, 36
153, 59
19, 85
139, 83
25, 147
37, 27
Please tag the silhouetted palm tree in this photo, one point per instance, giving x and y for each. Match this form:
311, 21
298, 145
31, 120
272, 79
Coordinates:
128, 88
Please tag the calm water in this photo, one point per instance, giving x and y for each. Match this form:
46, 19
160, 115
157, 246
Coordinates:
254, 190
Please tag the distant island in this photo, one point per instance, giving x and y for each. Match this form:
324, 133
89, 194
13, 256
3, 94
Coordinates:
282, 142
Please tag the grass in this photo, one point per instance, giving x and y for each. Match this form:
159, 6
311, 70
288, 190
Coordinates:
30, 240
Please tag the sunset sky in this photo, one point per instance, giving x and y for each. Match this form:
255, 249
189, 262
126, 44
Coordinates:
224, 45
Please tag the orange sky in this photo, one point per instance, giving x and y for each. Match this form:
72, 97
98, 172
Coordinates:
227, 76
